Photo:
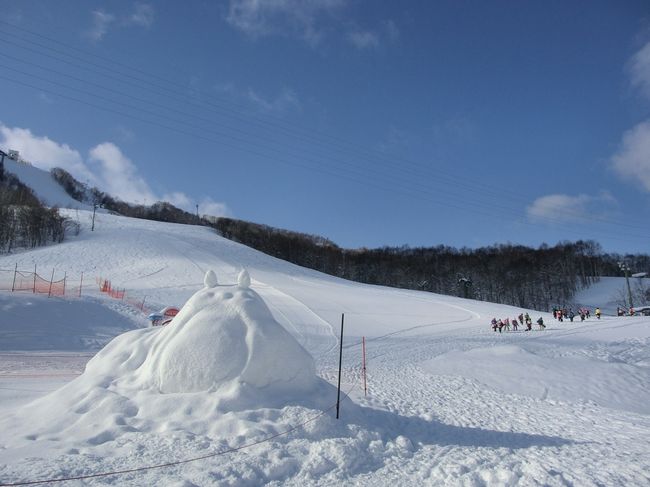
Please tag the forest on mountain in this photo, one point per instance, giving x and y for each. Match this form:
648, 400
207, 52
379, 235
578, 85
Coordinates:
537, 278
508, 274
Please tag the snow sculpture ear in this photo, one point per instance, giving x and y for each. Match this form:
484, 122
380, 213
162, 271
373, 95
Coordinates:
244, 279
210, 279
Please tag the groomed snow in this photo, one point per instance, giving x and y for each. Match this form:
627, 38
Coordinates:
450, 402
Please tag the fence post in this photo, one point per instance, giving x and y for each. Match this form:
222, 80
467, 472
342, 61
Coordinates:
49, 293
363, 346
81, 283
34, 288
13, 286
338, 393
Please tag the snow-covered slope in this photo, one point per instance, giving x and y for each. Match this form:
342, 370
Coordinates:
610, 292
43, 184
449, 400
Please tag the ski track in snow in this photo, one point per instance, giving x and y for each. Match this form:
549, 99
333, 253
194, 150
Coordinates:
415, 427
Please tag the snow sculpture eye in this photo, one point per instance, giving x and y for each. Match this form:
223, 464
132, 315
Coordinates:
210, 279
244, 279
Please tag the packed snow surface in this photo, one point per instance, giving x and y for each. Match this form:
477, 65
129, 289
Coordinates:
248, 364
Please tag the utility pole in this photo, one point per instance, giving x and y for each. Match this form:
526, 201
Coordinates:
626, 269
92, 228
338, 393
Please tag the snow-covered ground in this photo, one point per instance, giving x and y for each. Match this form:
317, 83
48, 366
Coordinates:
449, 400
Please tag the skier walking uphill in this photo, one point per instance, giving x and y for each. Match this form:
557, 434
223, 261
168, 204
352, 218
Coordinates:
528, 319
541, 324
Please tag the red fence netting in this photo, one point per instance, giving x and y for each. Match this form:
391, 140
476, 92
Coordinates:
30, 281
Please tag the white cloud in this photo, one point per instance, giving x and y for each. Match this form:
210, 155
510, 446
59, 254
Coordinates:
563, 208
208, 206
102, 21
180, 200
100, 24
640, 70
285, 102
364, 39
118, 175
259, 18
143, 15
44, 152
632, 161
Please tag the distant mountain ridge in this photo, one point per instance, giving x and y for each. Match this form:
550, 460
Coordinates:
508, 274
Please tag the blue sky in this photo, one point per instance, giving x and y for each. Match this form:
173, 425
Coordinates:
463, 123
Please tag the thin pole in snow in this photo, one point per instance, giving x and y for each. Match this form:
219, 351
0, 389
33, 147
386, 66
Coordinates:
13, 286
65, 275
143, 300
338, 394
49, 293
81, 284
34, 288
363, 348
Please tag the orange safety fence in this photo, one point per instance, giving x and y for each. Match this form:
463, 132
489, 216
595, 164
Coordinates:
106, 287
16, 280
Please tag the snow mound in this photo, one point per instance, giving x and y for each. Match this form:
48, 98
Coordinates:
226, 340
222, 362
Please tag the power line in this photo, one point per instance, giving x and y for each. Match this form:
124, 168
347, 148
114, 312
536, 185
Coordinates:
393, 179
419, 192
437, 175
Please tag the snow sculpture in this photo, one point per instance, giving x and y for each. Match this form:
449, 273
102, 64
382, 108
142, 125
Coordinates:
244, 279
225, 340
210, 279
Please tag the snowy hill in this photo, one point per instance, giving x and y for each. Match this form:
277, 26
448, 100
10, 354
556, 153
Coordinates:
43, 184
450, 402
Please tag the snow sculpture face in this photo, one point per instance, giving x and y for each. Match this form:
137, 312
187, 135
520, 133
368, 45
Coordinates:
226, 340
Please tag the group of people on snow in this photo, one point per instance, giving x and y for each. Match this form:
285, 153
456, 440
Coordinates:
561, 314
523, 320
621, 311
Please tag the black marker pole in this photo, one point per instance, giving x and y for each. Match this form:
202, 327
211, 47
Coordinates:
338, 394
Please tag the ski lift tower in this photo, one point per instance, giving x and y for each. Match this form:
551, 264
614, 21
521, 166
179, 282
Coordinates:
3, 154
626, 269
